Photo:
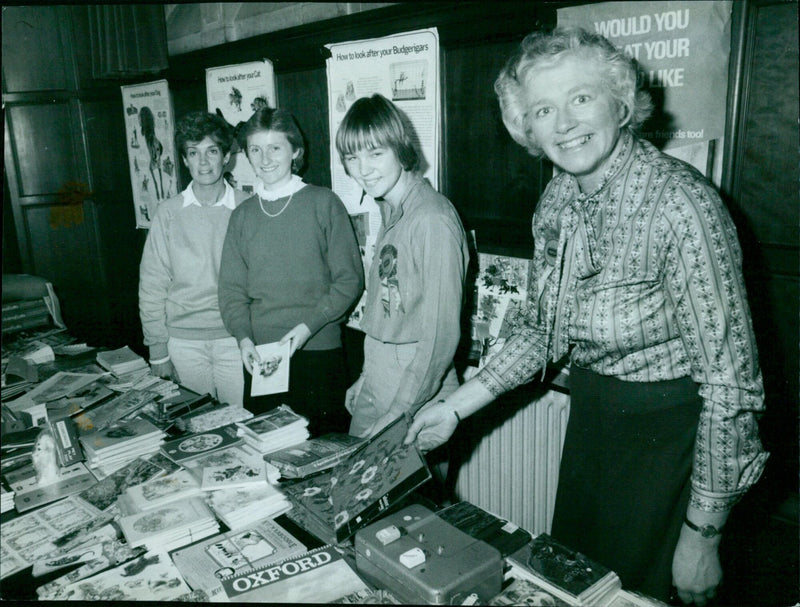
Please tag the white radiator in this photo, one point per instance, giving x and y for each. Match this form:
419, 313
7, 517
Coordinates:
513, 471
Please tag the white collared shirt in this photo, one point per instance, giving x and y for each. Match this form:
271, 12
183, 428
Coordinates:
228, 199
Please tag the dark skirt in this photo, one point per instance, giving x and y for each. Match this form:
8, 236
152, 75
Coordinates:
317, 387
624, 478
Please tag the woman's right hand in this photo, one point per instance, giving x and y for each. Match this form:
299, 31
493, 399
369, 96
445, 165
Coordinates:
352, 394
249, 354
165, 370
433, 426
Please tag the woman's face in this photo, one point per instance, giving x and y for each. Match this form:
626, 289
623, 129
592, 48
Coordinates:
574, 118
376, 170
205, 161
271, 155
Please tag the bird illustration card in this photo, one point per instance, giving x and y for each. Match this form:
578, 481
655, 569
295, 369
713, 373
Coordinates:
271, 375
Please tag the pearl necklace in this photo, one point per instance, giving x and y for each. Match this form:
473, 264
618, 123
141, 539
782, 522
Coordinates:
267, 213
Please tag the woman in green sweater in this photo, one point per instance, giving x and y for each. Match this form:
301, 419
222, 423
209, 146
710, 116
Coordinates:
290, 271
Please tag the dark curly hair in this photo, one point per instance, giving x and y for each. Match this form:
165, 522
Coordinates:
196, 126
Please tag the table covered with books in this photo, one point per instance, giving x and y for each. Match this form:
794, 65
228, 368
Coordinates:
119, 485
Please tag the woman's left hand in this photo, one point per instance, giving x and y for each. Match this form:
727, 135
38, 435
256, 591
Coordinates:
299, 336
696, 570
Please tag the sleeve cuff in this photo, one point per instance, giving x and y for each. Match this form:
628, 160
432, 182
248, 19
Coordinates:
158, 351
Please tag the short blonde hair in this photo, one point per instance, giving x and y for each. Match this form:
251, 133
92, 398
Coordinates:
620, 73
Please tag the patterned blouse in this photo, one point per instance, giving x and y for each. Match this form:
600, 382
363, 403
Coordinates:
641, 279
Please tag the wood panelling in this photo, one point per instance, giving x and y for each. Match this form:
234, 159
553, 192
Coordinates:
35, 52
104, 128
42, 134
305, 94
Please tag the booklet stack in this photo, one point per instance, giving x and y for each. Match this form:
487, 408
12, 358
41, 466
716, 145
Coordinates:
159, 491
6, 498
276, 429
205, 563
115, 446
121, 361
234, 466
170, 526
333, 505
567, 574
240, 507
313, 455
191, 446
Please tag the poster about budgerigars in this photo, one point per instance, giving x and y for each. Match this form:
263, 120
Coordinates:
236, 92
150, 129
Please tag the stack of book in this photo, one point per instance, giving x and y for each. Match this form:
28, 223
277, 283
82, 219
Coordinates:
176, 486
25, 314
117, 445
227, 464
205, 563
243, 506
170, 526
204, 418
313, 455
111, 411
121, 361
6, 498
569, 575
190, 446
276, 429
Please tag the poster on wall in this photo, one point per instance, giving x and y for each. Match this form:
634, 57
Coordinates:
404, 68
683, 48
236, 92
150, 129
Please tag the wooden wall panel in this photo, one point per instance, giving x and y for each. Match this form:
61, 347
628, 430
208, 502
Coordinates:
35, 53
42, 135
305, 95
499, 203
104, 127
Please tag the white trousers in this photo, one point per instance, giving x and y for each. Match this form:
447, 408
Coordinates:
212, 366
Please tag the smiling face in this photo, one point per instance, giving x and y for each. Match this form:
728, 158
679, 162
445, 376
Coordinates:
205, 161
377, 170
574, 118
270, 153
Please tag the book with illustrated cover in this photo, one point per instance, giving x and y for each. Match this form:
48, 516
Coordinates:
205, 563
525, 592
242, 506
104, 494
178, 522
110, 411
358, 489
151, 577
79, 400
564, 572
322, 575
314, 455
235, 455
163, 490
120, 437
28, 493
186, 447
273, 430
119, 361
271, 376
228, 476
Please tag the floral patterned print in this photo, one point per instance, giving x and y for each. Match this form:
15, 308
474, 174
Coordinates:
647, 286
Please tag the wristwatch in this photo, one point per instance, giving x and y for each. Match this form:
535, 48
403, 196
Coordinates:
707, 531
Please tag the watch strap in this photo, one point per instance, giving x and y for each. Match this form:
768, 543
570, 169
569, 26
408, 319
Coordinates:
707, 531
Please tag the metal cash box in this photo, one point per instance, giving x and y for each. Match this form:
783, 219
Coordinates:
422, 559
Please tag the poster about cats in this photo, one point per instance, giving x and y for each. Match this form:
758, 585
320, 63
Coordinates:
236, 92
150, 130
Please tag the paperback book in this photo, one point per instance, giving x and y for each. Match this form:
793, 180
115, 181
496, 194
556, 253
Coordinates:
170, 526
163, 490
276, 429
242, 506
104, 494
322, 575
151, 577
271, 375
205, 563
183, 448
565, 573
358, 489
110, 411
120, 361
233, 456
314, 455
